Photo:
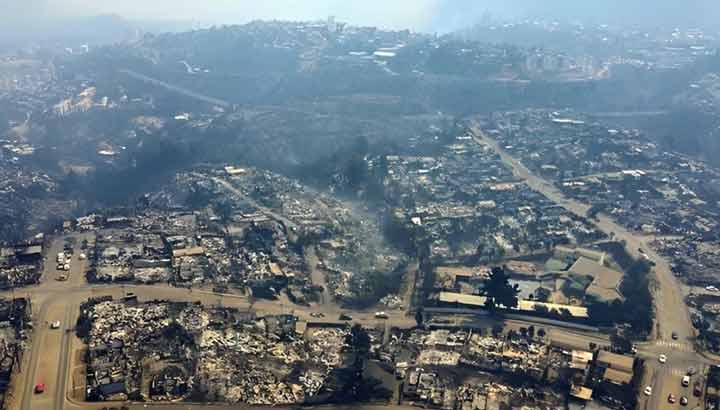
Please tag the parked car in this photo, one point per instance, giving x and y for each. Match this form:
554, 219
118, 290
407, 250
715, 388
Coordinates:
671, 398
683, 401
648, 391
55, 325
685, 381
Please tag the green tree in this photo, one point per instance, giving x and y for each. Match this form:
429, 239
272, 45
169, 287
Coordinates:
498, 290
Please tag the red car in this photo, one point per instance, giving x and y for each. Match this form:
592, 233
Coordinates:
39, 388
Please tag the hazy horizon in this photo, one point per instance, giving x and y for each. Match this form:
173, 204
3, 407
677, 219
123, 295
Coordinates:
41, 20
439, 16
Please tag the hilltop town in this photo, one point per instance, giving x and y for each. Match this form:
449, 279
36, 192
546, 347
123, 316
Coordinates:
286, 214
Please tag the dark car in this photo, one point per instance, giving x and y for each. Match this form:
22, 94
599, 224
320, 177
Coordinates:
697, 390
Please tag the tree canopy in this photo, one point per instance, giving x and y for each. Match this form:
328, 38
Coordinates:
498, 290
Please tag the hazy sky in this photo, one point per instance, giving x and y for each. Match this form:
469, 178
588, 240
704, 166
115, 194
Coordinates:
389, 13
422, 15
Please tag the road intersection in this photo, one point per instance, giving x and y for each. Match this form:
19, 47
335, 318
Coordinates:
54, 353
671, 312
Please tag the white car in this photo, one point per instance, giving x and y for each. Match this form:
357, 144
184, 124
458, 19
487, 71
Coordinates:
662, 358
648, 391
55, 325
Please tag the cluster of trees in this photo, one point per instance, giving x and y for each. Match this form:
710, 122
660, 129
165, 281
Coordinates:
498, 290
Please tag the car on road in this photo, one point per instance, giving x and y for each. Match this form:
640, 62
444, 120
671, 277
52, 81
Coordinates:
345, 317
675, 335
711, 288
697, 389
662, 358
39, 388
671, 398
683, 401
317, 314
62, 278
685, 381
381, 315
55, 325
648, 391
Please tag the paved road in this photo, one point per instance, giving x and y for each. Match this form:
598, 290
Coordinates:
670, 309
49, 358
317, 275
29, 369
53, 355
64, 365
282, 218
176, 89
665, 379
671, 313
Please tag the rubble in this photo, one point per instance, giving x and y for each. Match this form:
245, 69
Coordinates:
221, 354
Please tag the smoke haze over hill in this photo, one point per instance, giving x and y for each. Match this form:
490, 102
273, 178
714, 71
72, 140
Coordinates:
422, 15
59, 22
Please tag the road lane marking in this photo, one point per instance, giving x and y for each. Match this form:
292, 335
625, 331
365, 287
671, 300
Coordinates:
674, 345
